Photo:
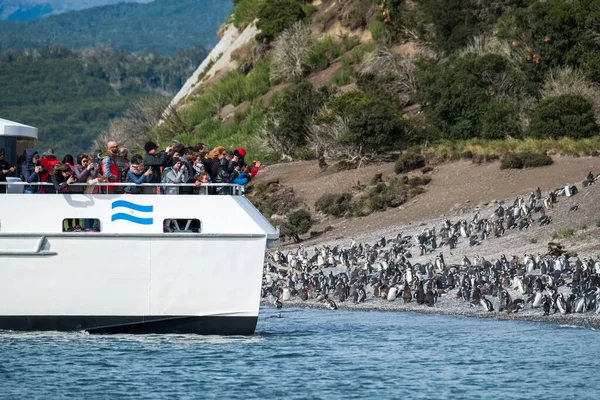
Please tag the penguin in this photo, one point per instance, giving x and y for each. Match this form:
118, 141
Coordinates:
287, 294
362, 295
278, 303
430, 298
561, 304
420, 294
406, 295
546, 305
486, 304
538, 300
392, 293
331, 304
304, 294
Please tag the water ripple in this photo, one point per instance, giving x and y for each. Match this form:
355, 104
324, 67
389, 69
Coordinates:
310, 354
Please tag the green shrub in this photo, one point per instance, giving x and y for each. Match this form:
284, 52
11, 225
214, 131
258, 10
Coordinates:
277, 15
409, 161
323, 52
336, 205
500, 121
297, 223
375, 126
564, 116
460, 94
379, 198
343, 77
245, 11
289, 115
525, 160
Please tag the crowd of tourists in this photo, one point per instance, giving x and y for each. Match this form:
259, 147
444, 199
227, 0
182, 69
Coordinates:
167, 170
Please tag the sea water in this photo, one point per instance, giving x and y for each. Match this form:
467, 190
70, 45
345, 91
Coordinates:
312, 354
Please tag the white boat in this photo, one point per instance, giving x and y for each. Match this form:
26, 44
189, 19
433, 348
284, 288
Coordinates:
103, 264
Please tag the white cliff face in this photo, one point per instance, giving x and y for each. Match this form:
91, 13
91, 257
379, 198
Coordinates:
221, 57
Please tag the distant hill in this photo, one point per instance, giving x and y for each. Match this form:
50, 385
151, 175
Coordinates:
24, 10
71, 95
162, 25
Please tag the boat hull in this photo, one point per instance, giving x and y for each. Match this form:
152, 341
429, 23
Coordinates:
203, 325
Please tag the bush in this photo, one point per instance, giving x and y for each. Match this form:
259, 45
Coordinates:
461, 94
375, 126
286, 125
409, 161
564, 116
323, 52
525, 160
500, 121
336, 205
277, 15
297, 223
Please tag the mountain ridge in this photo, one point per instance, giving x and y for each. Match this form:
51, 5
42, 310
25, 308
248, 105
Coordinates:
24, 10
162, 25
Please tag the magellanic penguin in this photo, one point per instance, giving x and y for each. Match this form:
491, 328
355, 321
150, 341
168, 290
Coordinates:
392, 293
406, 295
331, 304
486, 304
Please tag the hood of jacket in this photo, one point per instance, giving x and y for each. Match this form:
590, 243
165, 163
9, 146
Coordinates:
29, 153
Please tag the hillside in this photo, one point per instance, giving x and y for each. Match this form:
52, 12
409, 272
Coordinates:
72, 95
354, 83
22, 10
162, 25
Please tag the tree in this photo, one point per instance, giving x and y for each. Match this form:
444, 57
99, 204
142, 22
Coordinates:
564, 116
276, 16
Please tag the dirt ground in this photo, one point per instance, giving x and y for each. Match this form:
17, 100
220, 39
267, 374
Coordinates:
457, 189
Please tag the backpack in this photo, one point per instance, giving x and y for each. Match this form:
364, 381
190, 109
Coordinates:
123, 171
165, 171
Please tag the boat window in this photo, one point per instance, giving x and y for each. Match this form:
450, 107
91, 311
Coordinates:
81, 225
182, 225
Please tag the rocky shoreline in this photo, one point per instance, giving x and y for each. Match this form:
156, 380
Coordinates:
591, 321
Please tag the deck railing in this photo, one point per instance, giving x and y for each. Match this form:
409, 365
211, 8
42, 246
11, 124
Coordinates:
231, 189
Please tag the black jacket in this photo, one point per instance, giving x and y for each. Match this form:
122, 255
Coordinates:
155, 162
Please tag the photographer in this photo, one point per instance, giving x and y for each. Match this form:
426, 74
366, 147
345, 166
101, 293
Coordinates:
61, 177
5, 170
178, 173
31, 171
84, 170
153, 162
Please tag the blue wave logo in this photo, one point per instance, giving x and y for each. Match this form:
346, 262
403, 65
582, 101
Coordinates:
130, 216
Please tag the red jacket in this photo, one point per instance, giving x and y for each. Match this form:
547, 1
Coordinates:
47, 163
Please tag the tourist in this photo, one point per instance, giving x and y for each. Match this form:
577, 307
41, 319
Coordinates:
31, 171
5, 170
178, 173
122, 167
201, 180
213, 161
61, 177
109, 168
153, 162
69, 160
84, 171
137, 175
47, 161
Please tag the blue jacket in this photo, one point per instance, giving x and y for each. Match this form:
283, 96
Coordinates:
28, 173
137, 179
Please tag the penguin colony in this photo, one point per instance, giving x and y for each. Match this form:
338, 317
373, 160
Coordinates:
553, 283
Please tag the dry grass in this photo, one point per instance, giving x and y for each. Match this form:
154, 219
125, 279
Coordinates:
486, 44
383, 63
563, 146
572, 81
290, 54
